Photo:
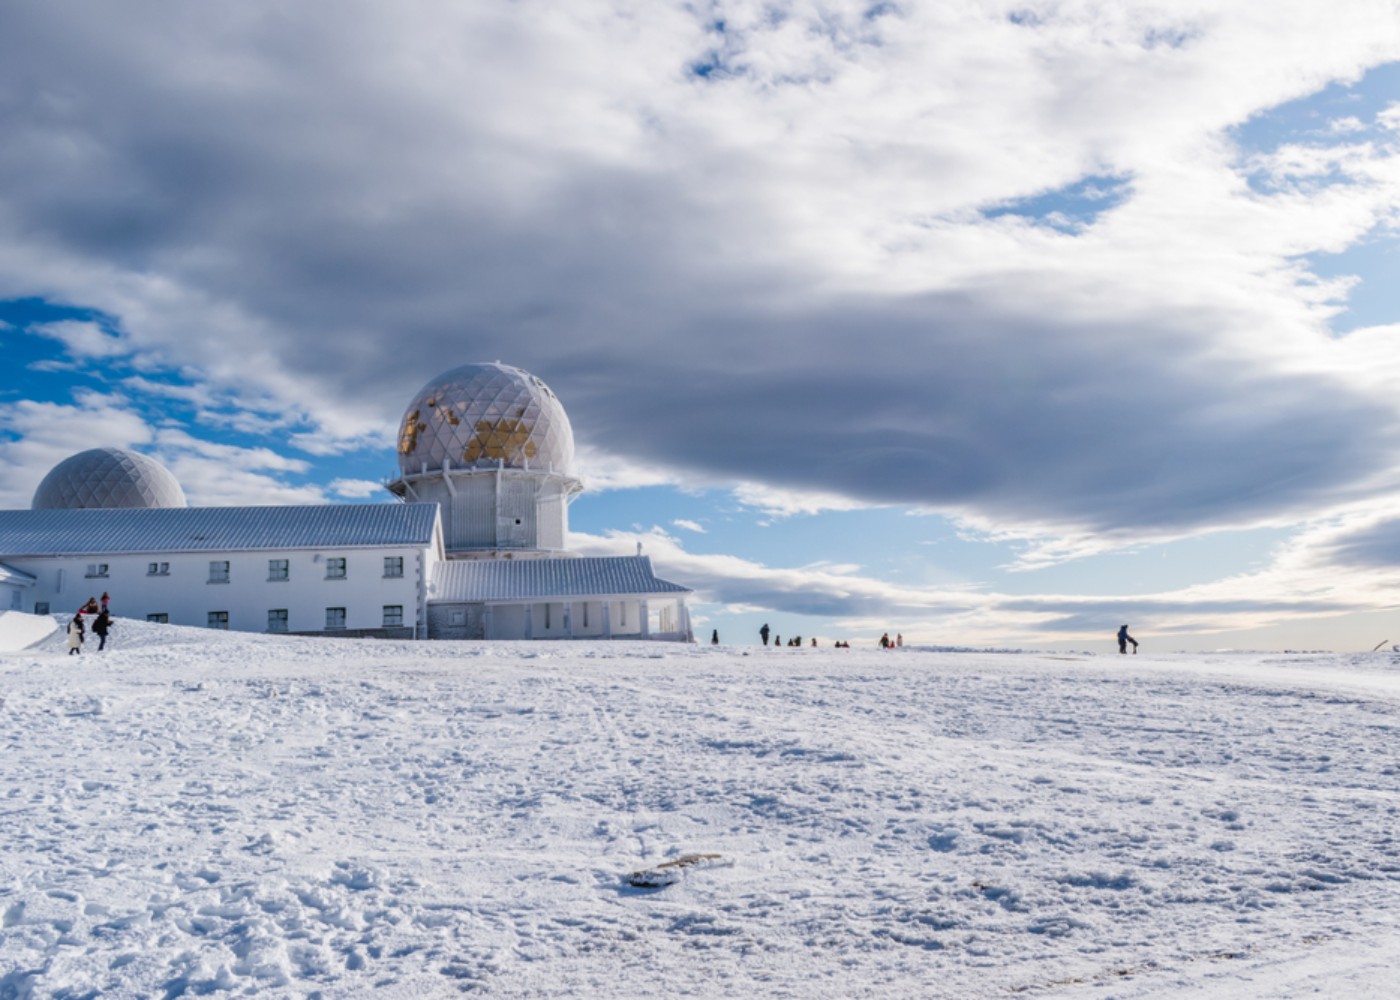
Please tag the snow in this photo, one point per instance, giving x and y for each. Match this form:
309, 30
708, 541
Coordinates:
19, 630
203, 813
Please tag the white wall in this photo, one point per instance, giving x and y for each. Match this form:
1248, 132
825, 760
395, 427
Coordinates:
12, 597
187, 596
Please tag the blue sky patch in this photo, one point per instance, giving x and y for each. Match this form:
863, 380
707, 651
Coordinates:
1071, 208
1310, 120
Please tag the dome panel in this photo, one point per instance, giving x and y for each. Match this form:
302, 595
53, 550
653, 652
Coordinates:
484, 415
108, 478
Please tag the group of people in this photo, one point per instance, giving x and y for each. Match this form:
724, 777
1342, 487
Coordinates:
765, 633
101, 624
1124, 639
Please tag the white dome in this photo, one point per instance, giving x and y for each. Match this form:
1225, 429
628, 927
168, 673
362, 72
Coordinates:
483, 415
107, 478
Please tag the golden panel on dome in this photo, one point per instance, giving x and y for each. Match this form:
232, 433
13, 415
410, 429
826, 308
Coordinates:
408, 436
500, 439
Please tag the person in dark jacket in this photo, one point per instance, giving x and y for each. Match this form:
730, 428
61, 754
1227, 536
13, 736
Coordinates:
763, 633
714, 638
1124, 638
100, 625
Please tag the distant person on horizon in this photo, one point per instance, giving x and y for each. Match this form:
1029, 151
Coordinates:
764, 633
899, 639
714, 638
885, 641
1124, 638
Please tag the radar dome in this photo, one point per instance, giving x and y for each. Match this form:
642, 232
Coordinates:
485, 416
108, 478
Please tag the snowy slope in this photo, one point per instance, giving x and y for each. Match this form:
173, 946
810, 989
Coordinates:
196, 813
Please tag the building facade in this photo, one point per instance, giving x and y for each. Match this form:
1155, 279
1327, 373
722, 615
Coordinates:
475, 547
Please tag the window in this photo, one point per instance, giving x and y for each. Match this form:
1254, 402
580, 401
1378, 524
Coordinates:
41, 607
277, 619
335, 569
393, 615
278, 570
218, 571
335, 618
158, 569
393, 566
218, 619
96, 570
159, 617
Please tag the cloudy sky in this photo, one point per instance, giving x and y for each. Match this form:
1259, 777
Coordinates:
989, 323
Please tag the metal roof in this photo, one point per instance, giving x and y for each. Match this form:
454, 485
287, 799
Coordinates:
209, 529
475, 581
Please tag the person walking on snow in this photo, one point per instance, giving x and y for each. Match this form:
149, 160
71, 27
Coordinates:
75, 635
1124, 638
100, 625
763, 632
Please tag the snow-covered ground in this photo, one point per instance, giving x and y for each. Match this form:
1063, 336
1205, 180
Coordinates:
197, 813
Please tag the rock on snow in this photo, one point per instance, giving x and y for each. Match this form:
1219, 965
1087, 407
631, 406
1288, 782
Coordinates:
203, 813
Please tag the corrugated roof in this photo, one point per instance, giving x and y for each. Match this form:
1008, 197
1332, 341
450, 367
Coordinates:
480, 580
200, 529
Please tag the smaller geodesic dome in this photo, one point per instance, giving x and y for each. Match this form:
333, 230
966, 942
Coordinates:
108, 478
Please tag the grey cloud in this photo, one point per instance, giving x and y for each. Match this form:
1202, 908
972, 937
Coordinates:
1074, 616
1375, 547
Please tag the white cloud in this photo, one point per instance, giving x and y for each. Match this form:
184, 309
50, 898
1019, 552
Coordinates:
84, 339
357, 489
689, 525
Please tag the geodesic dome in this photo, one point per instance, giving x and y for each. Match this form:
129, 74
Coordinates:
483, 416
108, 478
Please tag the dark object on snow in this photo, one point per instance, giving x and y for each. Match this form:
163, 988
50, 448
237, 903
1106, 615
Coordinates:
671, 872
714, 638
763, 632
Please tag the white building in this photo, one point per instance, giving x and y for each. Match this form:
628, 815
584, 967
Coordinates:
477, 550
